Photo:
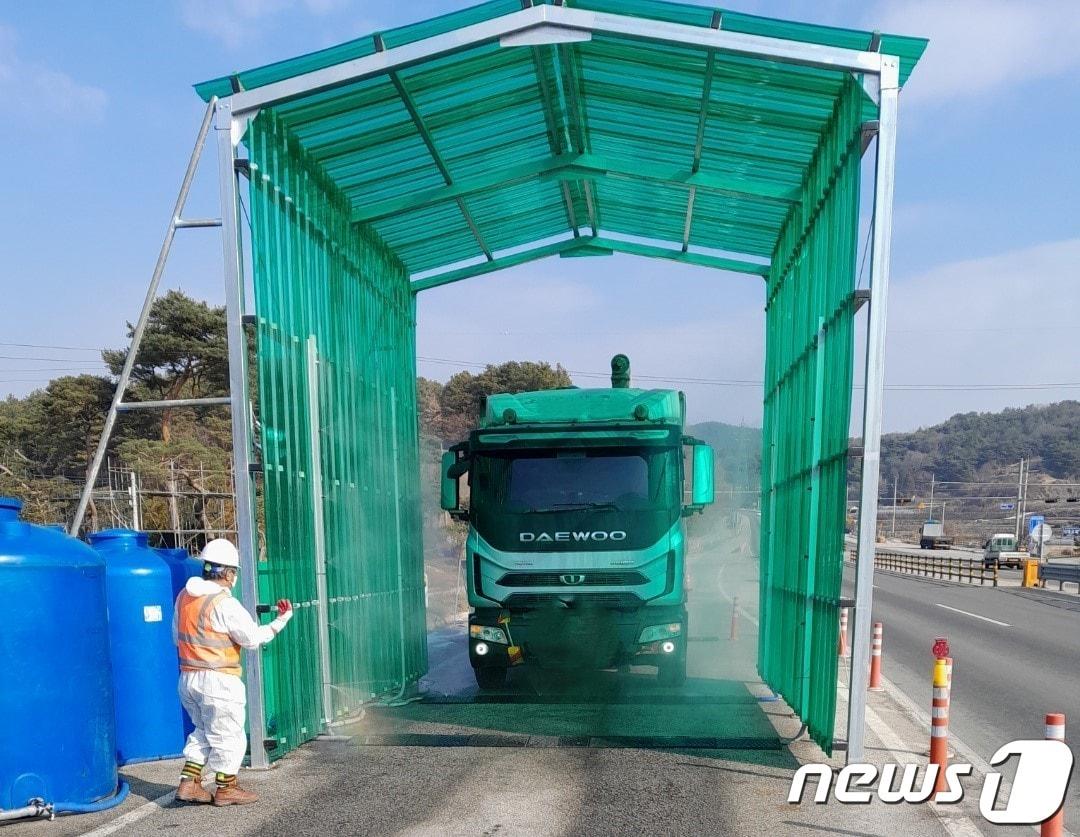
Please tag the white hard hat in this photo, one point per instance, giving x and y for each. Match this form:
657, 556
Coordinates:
221, 552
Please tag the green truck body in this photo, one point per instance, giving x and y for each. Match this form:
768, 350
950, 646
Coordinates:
576, 547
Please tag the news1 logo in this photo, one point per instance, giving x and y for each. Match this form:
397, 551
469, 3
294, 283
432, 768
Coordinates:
1043, 769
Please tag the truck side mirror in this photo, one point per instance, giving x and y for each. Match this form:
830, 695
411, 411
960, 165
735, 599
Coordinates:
704, 491
449, 498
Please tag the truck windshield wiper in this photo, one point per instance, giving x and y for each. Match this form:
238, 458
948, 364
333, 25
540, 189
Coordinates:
557, 507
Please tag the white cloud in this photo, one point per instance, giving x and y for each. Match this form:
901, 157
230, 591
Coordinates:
29, 88
1007, 318
234, 22
978, 47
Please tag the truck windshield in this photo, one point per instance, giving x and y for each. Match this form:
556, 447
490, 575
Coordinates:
553, 481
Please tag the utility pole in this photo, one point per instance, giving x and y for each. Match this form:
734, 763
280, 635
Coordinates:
1019, 498
892, 534
1023, 501
942, 515
932, 496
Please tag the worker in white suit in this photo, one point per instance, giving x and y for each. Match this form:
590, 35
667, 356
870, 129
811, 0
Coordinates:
210, 627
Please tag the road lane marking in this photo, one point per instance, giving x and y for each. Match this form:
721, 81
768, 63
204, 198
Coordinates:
975, 615
143, 811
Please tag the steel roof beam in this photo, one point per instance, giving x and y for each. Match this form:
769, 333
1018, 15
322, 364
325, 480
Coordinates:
631, 248
429, 141
245, 102
449, 276
654, 251
573, 166
699, 141
553, 133
577, 118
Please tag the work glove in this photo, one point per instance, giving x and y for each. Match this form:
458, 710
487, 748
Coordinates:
285, 612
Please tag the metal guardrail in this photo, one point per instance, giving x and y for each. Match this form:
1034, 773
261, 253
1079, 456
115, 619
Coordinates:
1061, 573
945, 567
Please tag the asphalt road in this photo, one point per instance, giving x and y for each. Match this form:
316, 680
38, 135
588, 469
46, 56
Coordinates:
1016, 657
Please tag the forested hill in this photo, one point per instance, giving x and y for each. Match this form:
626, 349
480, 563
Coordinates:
968, 446
737, 449
971, 445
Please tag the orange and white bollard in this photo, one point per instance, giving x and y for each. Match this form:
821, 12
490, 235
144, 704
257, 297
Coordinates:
1055, 731
939, 720
734, 618
875, 659
843, 650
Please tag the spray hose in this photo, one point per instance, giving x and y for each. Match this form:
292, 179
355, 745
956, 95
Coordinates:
40, 808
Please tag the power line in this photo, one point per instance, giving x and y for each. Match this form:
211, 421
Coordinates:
45, 346
55, 369
46, 359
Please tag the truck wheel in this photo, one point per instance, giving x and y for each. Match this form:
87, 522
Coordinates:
490, 678
672, 672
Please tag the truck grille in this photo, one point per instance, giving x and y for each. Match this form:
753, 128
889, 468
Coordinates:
570, 579
574, 600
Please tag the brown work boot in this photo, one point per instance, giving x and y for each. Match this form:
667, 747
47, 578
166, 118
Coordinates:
234, 795
192, 791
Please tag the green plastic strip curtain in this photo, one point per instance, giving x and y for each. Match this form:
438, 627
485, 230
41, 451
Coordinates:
808, 379
332, 298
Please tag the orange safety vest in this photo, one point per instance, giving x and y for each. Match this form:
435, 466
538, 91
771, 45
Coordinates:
202, 648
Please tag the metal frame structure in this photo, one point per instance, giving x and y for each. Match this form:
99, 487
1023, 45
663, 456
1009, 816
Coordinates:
537, 24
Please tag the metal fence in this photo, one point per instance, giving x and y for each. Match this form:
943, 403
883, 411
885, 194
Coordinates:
944, 567
1061, 573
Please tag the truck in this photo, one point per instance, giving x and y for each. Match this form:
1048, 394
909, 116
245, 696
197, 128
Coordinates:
1001, 551
932, 536
576, 546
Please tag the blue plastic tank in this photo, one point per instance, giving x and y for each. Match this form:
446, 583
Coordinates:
149, 720
56, 700
182, 566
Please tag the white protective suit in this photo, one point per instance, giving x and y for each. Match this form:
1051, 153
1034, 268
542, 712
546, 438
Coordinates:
215, 701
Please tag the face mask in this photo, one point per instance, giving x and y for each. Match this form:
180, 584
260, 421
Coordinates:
235, 578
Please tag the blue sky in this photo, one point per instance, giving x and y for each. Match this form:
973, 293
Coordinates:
99, 117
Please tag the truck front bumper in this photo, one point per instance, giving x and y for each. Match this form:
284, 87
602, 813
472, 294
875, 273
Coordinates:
581, 637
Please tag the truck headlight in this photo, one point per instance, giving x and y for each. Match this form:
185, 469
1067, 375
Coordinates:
488, 633
655, 633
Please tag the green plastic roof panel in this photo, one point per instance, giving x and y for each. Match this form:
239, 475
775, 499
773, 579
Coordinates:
455, 160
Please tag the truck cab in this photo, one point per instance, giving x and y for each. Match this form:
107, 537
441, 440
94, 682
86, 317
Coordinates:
1001, 551
576, 544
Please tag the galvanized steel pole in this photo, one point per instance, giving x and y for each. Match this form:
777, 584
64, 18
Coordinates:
244, 508
140, 325
872, 405
319, 529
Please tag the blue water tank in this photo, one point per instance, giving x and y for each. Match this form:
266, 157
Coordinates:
56, 700
182, 566
149, 720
